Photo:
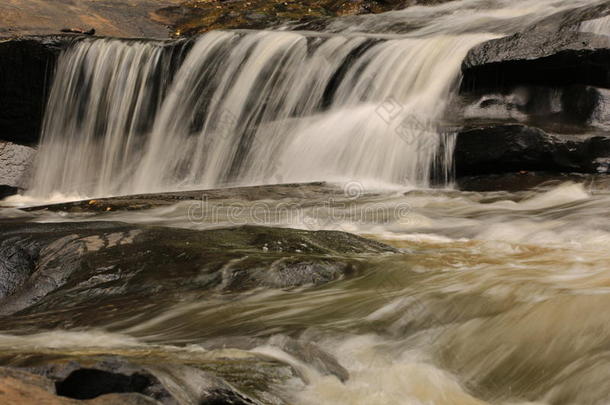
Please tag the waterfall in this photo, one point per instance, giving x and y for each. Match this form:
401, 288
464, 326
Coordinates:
247, 108
599, 26
263, 107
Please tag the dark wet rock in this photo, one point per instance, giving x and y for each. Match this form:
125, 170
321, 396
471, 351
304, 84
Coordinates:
27, 66
568, 109
552, 52
67, 265
15, 165
515, 148
6, 191
26, 71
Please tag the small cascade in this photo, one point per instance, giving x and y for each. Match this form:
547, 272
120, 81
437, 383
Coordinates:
102, 103
600, 26
247, 108
264, 107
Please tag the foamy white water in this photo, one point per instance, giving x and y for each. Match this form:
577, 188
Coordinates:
599, 26
267, 107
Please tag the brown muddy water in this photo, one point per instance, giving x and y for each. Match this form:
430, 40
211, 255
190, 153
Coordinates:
493, 297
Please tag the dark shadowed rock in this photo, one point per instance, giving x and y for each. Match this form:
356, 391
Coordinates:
27, 66
24, 388
514, 148
552, 52
6, 191
26, 71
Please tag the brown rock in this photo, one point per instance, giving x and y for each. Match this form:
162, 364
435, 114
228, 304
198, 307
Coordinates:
28, 389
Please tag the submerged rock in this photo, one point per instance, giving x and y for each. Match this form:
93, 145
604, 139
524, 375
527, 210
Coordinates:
137, 202
71, 265
305, 351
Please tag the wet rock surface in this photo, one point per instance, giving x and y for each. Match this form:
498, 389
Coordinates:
137, 202
513, 148
552, 52
71, 265
27, 67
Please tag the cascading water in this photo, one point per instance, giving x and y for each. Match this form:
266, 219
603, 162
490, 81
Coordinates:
253, 107
263, 107
247, 108
487, 297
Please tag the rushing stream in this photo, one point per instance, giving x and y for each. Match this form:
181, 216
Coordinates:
368, 103
490, 298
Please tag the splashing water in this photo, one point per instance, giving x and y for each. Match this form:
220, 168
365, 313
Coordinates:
264, 107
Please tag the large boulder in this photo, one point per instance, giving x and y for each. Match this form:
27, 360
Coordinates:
514, 147
554, 51
115, 262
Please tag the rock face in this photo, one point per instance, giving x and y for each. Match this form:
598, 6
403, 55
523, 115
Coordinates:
542, 95
552, 52
114, 262
15, 164
123, 19
514, 148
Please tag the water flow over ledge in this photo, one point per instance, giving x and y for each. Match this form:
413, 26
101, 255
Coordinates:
247, 108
